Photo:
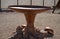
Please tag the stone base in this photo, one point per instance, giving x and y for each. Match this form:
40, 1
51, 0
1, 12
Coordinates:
21, 34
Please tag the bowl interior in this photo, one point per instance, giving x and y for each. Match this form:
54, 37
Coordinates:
29, 6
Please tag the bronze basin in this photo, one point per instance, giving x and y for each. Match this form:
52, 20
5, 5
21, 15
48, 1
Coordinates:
29, 8
30, 13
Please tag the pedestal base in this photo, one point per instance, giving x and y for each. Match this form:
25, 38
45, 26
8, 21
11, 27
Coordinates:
22, 34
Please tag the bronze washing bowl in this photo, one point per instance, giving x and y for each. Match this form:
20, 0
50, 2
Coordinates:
30, 12
29, 8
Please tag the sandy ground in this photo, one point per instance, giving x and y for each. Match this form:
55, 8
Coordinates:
10, 20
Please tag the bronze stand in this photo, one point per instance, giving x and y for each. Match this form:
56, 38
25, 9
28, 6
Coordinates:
30, 23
